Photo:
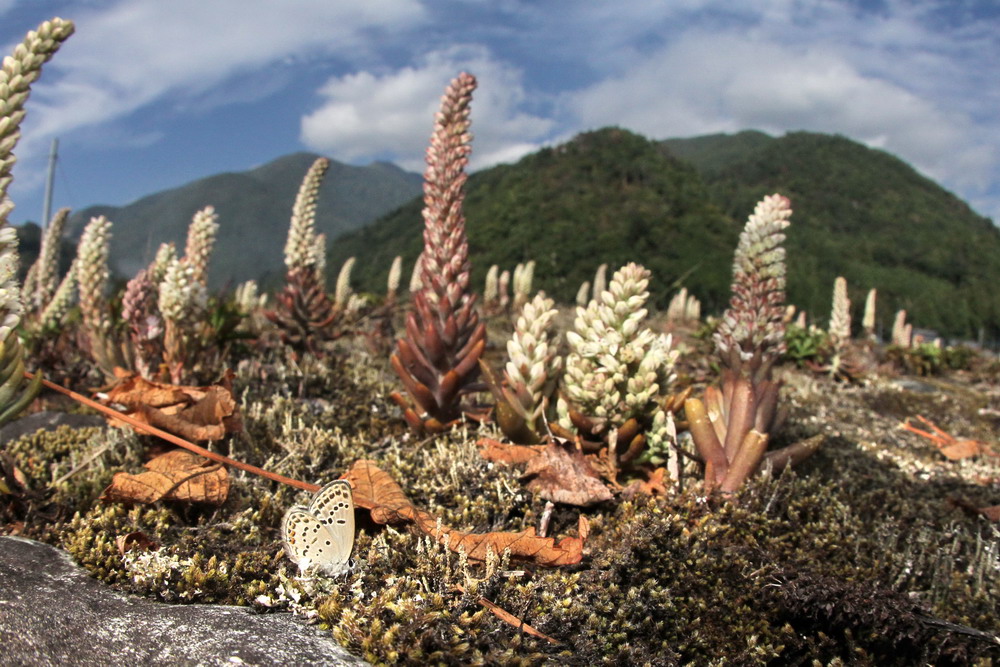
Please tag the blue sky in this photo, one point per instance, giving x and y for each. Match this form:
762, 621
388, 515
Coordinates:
150, 94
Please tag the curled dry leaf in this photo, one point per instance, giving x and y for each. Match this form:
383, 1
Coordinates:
500, 452
565, 476
177, 475
991, 512
962, 449
952, 448
135, 541
657, 484
377, 491
194, 413
557, 473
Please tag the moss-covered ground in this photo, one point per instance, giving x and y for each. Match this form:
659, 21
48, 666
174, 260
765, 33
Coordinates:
865, 554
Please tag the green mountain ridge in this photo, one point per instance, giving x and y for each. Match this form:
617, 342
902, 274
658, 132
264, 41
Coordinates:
608, 196
254, 209
866, 215
677, 206
613, 196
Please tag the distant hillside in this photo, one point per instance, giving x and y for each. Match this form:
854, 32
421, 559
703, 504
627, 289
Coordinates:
608, 196
866, 215
678, 205
254, 209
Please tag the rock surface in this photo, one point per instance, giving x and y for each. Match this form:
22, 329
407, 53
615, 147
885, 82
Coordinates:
53, 613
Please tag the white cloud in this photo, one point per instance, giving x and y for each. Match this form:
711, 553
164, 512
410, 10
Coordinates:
391, 115
887, 81
137, 53
915, 77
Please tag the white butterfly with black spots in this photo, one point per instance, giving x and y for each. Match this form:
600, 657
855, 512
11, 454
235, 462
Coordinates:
321, 536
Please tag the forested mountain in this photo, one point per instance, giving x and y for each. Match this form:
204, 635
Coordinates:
254, 208
608, 196
866, 215
678, 205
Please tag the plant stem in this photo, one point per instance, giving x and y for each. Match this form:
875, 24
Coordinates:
173, 439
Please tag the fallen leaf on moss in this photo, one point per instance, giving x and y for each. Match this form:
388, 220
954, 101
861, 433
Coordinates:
377, 491
135, 541
133, 390
564, 476
655, 485
952, 448
501, 452
194, 413
557, 473
177, 475
992, 512
963, 449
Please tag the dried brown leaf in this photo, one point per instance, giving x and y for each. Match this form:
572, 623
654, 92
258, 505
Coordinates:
565, 476
655, 485
501, 452
962, 449
194, 413
177, 475
377, 491
133, 390
135, 541
992, 512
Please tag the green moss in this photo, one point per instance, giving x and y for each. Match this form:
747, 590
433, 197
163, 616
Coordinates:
843, 560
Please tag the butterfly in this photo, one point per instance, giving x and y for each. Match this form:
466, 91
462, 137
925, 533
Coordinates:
321, 537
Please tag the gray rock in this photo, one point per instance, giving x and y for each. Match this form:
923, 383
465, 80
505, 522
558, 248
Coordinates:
916, 386
53, 613
48, 421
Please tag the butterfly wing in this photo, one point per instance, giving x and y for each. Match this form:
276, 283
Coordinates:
333, 505
304, 537
322, 536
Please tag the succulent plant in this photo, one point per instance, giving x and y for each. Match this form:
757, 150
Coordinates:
530, 376
618, 371
751, 334
731, 428
392, 281
200, 242
18, 72
92, 275
902, 333
684, 309
183, 302
840, 314
868, 322
304, 311
438, 358
524, 275
342, 292
42, 279
491, 290
143, 322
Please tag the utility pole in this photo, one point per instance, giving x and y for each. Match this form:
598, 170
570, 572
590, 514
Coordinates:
47, 206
